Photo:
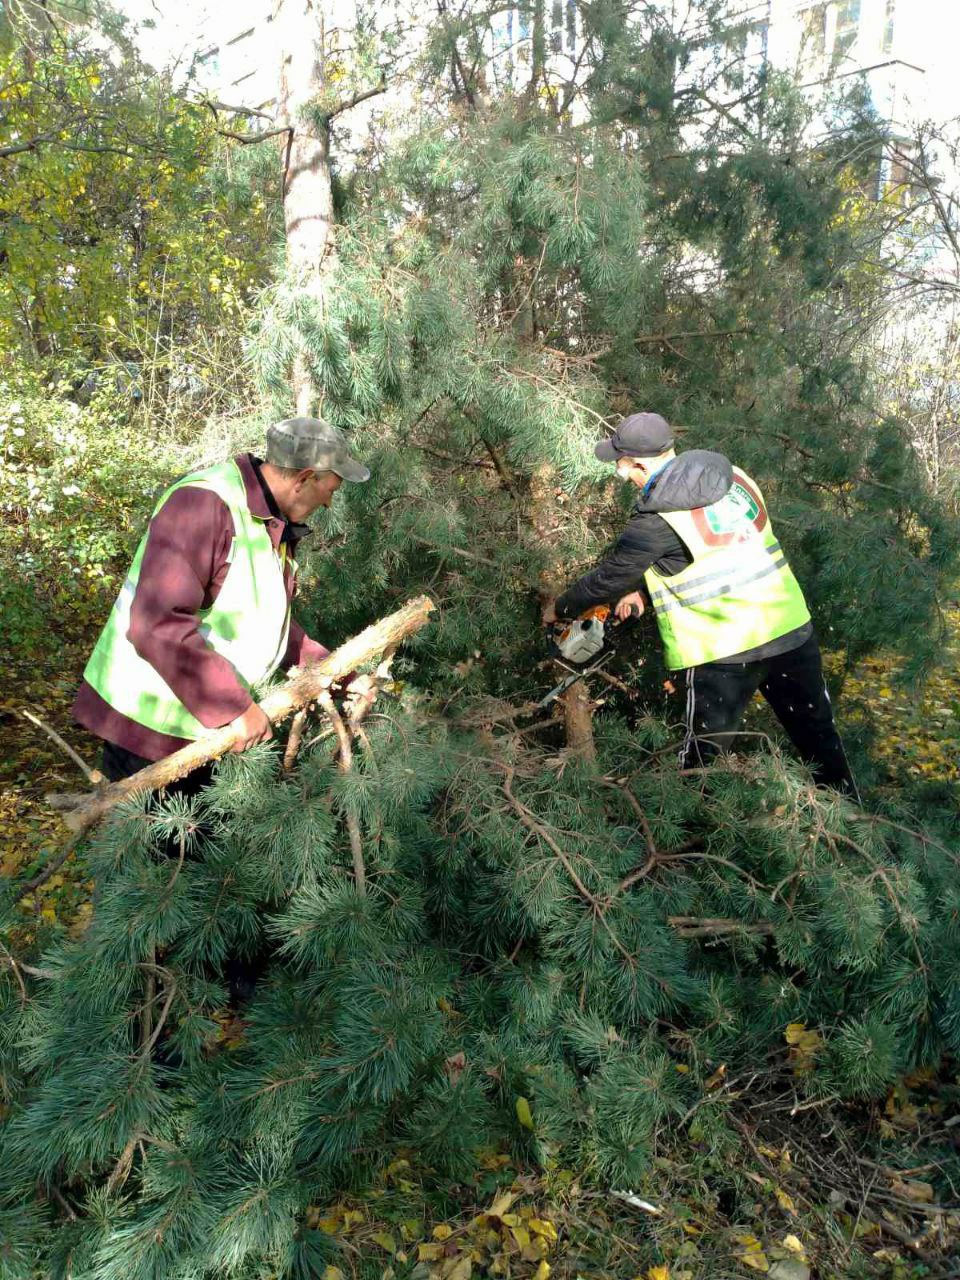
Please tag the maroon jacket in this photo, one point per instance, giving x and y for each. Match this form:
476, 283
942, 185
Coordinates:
184, 565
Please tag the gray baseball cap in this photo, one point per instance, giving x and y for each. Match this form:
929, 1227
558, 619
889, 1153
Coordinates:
310, 442
642, 435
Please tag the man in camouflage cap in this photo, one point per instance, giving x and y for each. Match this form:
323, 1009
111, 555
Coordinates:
204, 614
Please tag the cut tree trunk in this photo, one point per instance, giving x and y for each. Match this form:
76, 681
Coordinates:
577, 704
298, 692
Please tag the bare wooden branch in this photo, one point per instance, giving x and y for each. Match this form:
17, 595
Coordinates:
300, 691
122, 1168
690, 333
249, 139
356, 99
695, 927
161, 1021
345, 765
293, 742
93, 776
52, 867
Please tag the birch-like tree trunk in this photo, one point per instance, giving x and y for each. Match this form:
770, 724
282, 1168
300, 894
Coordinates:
307, 189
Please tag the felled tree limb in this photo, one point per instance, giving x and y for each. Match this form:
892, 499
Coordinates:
304, 688
695, 927
293, 742
345, 764
93, 776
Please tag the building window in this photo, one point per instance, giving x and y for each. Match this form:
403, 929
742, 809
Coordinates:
888, 26
556, 27
813, 33
848, 24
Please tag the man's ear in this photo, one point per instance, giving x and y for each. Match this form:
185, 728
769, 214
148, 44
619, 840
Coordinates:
302, 477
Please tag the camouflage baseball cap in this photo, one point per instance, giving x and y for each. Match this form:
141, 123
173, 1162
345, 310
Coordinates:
310, 442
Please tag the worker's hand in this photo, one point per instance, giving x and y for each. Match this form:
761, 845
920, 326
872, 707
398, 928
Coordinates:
549, 613
631, 605
253, 727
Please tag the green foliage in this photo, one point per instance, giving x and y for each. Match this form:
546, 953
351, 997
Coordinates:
128, 237
76, 488
506, 287
521, 938
542, 942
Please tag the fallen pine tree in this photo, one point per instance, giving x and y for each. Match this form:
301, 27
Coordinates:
551, 960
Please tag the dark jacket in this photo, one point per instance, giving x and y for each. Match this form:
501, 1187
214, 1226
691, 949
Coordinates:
693, 479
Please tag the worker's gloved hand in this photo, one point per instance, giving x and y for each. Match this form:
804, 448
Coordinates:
629, 606
253, 727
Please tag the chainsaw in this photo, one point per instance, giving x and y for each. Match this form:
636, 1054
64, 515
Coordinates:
586, 640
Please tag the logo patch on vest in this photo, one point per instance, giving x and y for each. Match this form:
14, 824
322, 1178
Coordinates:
738, 516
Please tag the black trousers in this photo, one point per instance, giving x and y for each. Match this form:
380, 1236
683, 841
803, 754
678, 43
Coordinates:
241, 972
117, 762
793, 684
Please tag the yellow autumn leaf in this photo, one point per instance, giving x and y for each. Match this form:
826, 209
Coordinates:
755, 1261
658, 1273
543, 1227
717, 1078
793, 1244
429, 1252
524, 1114
522, 1236
385, 1241
794, 1031
442, 1231
750, 1243
502, 1204
462, 1269
752, 1255
785, 1201
543, 1271
333, 1273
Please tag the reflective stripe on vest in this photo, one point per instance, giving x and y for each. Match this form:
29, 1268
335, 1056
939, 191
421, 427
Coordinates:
248, 623
738, 591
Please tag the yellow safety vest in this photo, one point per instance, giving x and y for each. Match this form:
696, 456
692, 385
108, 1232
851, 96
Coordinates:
248, 623
738, 591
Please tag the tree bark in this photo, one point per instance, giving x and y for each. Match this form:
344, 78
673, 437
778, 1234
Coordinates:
307, 186
576, 702
304, 688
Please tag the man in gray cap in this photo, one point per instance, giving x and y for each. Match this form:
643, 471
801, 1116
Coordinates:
204, 613
700, 548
